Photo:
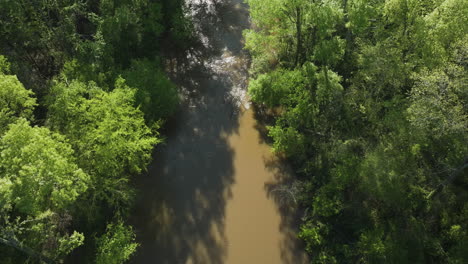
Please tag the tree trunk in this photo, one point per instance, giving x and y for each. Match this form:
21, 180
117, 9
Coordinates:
298, 36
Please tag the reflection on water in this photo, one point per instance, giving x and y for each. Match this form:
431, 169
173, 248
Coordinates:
207, 195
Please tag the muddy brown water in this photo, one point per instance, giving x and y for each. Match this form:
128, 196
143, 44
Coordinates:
208, 194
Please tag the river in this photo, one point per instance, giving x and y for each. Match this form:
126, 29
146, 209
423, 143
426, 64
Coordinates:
208, 194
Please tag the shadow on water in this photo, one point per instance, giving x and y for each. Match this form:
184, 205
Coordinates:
283, 189
180, 213
179, 217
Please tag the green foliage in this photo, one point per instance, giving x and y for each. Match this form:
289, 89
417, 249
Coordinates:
377, 126
107, 132
312, 235
122, 28
39, 168
274, 86
433, 93
155, 94
38, 176
41, 236
4, 65
328, 88
448, 22
116, 245
372, 246
287, 140
265, 49
181, 30
278, 33
15, 101
90, 136
69, 243
360, 14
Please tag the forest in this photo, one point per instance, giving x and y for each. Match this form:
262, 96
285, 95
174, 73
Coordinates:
82, 98
366, 99
370, 101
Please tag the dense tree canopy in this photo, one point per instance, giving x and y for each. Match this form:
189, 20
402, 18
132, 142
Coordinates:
116, 245
15, 101
373, 114
369, 103
108, 133
39, 181
73, 131
40, 169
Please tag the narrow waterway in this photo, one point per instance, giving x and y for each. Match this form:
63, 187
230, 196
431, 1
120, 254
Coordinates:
208, 195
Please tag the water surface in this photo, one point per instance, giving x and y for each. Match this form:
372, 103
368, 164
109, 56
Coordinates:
208, 196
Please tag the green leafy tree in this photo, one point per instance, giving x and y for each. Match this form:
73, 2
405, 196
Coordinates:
92, 129
271, 88
15, 101
116, 245
41, 169
433, 94
108, 134
39, 37
39, 182
375, 128
155, 94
